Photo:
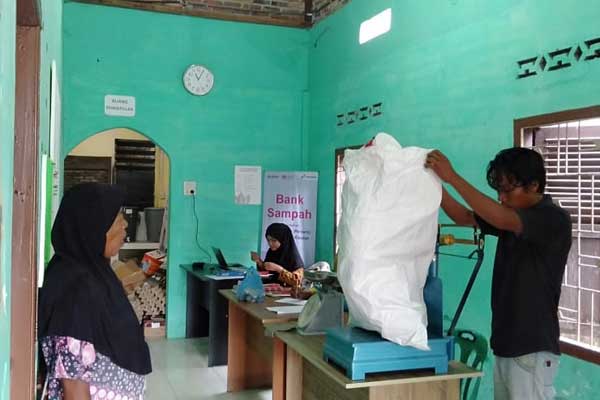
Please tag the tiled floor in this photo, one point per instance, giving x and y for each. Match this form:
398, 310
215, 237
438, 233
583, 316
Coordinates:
180, 372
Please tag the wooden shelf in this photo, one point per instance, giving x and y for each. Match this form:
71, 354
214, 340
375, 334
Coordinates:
140, 246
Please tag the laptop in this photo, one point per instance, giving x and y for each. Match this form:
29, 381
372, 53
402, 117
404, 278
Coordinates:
221, 259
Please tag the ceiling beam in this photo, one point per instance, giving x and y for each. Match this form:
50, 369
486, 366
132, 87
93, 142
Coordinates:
180, 9
28, 13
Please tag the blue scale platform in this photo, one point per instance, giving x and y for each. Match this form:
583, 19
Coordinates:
360, 352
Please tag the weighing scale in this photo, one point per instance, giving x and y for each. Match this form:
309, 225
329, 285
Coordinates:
359, 352
325, 309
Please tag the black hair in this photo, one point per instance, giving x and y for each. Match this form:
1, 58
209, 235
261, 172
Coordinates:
520, 166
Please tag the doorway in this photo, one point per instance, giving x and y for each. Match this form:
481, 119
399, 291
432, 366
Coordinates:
134, 162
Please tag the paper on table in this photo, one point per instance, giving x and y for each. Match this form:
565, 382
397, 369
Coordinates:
278, 294
296, 302
286, 309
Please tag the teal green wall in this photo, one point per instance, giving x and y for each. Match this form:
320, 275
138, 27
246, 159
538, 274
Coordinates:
50, 49
446, 74
7, 121
253, 116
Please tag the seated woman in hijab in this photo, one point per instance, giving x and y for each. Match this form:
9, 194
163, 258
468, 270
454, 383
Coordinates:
92, 343
282, 257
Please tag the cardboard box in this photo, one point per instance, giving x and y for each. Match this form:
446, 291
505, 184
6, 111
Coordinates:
152, 261
155, 328
130, 275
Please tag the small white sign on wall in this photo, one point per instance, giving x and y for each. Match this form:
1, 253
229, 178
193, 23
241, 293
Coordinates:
247, 184
119, 106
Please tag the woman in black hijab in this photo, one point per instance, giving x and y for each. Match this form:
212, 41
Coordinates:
282, 257
91, 340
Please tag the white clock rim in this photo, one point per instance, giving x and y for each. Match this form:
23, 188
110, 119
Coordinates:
189, 87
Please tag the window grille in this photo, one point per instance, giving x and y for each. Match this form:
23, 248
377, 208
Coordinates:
340, 178
571, 151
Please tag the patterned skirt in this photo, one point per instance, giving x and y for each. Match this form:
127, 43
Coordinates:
69, 358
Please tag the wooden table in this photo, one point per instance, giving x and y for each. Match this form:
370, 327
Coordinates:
253, 360
309, 377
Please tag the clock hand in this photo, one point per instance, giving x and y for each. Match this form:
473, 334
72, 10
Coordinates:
202, 73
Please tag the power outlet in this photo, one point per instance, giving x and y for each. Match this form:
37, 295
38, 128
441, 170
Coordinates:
189, 188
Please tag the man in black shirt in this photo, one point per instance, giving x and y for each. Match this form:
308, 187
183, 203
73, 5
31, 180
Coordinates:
534, 238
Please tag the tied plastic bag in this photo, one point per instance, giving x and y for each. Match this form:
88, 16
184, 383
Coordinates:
250, 289
387, 237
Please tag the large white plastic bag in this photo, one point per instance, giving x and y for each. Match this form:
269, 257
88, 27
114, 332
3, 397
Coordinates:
387, 237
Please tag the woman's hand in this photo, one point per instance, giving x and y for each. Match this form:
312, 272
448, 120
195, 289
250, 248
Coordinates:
270, 266
255, 257
299, 293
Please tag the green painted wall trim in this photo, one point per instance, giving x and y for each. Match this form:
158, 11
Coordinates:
7, 120
446, 74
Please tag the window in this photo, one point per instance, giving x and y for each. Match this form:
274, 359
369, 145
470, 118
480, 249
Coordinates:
570, 144
340, 178
375, 26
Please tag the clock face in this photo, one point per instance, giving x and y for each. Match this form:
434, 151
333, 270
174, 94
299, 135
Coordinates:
198, 80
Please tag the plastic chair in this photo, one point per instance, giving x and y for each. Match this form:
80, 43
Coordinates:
473, 352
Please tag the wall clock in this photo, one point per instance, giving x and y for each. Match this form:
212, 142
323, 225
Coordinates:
198, 80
